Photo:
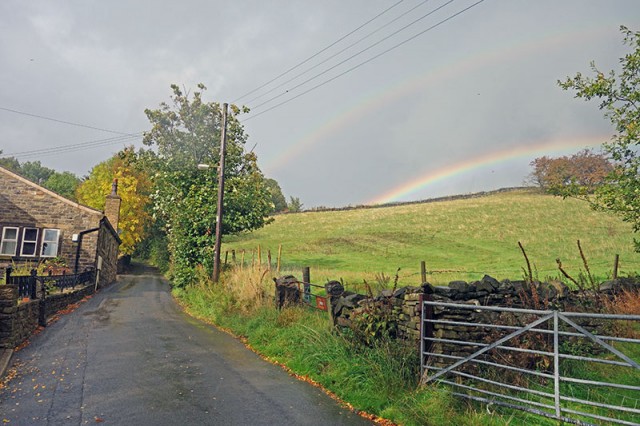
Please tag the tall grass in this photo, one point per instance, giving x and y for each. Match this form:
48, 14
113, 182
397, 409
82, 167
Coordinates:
381, 380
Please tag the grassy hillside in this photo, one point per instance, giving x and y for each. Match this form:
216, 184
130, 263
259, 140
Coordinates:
459, 239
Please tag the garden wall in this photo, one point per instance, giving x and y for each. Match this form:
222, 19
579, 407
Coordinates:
18, 321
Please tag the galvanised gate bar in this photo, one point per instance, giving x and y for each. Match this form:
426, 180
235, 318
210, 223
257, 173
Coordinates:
552, 387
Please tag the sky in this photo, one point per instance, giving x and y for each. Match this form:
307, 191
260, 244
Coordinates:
380, 101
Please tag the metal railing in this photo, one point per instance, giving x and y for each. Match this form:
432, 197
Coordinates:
554, 349
28, 284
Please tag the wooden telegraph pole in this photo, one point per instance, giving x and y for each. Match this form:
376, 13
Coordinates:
223, 150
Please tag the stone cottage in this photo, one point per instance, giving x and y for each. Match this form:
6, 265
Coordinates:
38, 225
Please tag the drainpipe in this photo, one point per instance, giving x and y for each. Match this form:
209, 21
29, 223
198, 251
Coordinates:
78, 237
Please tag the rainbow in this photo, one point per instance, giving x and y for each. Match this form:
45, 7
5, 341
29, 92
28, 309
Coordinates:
381, 96
489, 159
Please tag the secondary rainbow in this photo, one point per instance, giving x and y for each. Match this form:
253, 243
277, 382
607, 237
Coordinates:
378, 97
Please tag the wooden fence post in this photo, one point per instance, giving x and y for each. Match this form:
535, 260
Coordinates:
423, 271
615, 266
279, 257
306, 281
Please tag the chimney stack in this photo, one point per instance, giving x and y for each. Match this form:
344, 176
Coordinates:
112, 205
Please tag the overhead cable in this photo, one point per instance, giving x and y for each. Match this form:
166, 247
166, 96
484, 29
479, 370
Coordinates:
352, 56
73, 147
317, 53
337, 53
62, 121
366, 61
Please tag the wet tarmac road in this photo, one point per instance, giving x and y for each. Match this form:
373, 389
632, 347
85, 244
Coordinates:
130, 356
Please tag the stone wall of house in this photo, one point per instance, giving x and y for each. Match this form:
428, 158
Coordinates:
108, 250
24, 204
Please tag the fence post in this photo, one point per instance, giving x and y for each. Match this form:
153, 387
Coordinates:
556, 364
306, 280
32, 284
279, 257
615, 266
269, 258
423, 271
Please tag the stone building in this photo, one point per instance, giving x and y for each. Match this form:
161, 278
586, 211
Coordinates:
38, 225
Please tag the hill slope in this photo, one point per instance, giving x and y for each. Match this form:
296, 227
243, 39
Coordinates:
458, 239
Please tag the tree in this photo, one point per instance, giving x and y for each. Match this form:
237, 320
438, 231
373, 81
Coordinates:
186, 133
295, 205
277, 198
64, 183
585, 170
134, 187
36, 172
10, 163
619, 96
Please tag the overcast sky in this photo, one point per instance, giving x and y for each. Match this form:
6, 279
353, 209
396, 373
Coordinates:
462, 107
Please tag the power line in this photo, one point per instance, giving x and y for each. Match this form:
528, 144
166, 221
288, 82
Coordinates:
62, 121
367, 61
73, 147
354, 55
317, 53
337, 53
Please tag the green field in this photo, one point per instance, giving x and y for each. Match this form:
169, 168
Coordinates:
458, 239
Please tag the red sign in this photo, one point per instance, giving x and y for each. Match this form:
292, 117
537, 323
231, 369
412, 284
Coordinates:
321, 303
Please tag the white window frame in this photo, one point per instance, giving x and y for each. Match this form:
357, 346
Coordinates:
8, 240
55, 242
25, 241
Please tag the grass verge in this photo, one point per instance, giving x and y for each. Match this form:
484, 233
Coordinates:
380, 380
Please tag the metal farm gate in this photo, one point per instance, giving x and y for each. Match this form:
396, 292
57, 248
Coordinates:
579, 368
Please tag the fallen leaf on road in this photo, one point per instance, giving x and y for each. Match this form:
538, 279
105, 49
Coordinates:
99, 420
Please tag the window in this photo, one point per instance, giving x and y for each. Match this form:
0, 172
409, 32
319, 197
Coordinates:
29, 242
9, 241
50, 243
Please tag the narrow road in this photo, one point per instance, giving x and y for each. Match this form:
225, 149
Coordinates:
130, 356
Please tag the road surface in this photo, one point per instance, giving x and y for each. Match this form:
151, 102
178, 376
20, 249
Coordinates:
130, 356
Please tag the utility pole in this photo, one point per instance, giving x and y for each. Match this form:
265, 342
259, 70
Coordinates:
223, 150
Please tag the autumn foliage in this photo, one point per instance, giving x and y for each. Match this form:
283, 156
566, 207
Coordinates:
134, 187
585, 170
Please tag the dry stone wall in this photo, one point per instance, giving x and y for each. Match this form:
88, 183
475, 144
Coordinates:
406, 308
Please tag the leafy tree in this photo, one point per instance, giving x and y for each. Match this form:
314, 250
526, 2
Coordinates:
36, 172
295, 205
134, 187
585, 170
619, 97
277, 198
186, 133
10, 163
64, 183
